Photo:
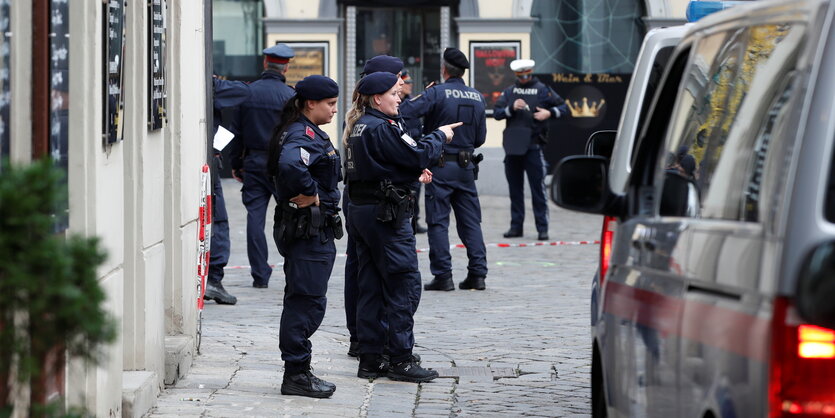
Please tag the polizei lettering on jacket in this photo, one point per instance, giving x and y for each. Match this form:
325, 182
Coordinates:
459, 94
517, 90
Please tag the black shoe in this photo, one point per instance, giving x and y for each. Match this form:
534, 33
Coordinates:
215, 290
409, 371
354, 349
260, 285
420, 229
372, 366
440, 284
472, 283
543, 236
512, 233
306, 384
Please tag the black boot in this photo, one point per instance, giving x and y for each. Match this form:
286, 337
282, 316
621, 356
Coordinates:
354, 349
215, 290
512, 233
439, 283
306, 384
472, 283
372, 366
409, 371
543, 236
420, 229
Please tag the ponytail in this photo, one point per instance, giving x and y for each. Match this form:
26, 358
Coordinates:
356, 112
291, 113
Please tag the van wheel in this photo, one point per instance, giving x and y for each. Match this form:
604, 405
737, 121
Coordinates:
598, 396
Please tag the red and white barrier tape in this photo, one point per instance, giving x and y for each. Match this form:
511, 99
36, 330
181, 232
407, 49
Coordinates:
495, 245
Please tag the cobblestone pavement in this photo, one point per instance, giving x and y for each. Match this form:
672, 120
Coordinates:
520, 348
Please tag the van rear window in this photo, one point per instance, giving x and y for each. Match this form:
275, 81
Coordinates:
829, 206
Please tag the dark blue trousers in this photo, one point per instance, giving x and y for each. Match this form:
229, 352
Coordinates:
220, 232
351, 289
389, 282
453, 188
308, 264
257, 191
515, 167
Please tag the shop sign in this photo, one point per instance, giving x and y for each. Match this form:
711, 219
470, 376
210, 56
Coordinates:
594, 103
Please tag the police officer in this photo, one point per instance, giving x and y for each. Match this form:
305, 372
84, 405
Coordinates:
382, 161
379, 63
453, 184
257, 117
306, 170
414, 126
527, 105
227, 94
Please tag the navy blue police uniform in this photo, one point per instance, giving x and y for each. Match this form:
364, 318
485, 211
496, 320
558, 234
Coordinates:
382, 163
227, 94
257, 117
379, 63
308, 164
524, 138
453, 177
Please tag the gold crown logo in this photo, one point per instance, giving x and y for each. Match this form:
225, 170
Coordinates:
585, 111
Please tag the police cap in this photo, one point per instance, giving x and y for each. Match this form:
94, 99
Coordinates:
317, 87
522, 65
279, 53
376, 83
384, 63
455, 57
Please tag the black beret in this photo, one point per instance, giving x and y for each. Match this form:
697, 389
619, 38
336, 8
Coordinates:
382, 63
317, 87
377, 83
455, 57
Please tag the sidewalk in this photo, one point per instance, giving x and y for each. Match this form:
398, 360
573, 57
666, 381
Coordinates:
521, 347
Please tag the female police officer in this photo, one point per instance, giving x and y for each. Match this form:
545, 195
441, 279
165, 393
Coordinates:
306, 171
381, 163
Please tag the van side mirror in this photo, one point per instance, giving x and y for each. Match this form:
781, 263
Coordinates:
601, 143
816, 286
580, 184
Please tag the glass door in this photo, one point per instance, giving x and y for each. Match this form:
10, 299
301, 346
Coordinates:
413, 35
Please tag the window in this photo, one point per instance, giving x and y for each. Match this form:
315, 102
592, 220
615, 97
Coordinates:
722, 128
237, 31
5, 78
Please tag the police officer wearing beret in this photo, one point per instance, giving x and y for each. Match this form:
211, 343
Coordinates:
257, 117
453, 186
379, 63
527, 105
227, 94
306, 170
382, 162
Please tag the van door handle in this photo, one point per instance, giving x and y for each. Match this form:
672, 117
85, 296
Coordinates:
650, 245
712, 291
638, 244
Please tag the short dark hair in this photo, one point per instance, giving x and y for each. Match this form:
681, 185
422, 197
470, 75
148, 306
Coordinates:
452, 70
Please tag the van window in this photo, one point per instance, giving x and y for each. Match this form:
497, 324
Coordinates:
722, 128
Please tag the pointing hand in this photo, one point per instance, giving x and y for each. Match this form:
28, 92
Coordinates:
447, 130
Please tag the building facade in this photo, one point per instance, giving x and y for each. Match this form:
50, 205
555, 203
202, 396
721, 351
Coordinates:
110, 92
335, 37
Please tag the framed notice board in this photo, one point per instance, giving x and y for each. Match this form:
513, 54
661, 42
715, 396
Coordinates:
490, 68
114, 53
311, 59
157, 39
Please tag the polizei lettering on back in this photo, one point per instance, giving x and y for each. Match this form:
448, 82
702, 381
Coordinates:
517, 90
459, 94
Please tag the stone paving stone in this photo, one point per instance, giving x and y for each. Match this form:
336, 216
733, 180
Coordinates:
533, 317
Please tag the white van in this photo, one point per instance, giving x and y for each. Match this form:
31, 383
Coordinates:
719, 297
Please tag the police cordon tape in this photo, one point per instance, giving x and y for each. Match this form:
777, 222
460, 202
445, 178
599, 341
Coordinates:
494, 244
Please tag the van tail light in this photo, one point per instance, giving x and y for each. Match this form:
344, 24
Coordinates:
802, 366
606, 237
